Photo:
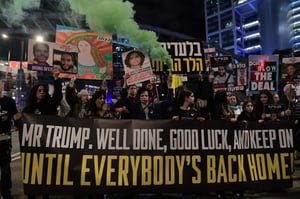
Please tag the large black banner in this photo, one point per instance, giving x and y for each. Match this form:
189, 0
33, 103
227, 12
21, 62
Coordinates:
69, 156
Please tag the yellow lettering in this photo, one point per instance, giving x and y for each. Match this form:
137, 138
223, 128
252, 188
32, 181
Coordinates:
196, 179
211, 169
85, 170
37, 168
273, 166
169, 170
135, 160
222, 170
99, 169
123, 171
110, 170
58, 169
158, 170
241, 169
66, 169
180, 165
26, 168
252, 167
50, 158
261, 166
284, 165
232, 177
146, 170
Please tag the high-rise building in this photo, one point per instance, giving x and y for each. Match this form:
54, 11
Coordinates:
246, 27
294, 24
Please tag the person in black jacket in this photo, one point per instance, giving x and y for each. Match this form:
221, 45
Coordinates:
8, 112
40, 101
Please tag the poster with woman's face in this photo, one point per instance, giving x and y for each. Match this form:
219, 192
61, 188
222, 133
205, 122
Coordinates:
137, 66
95, 49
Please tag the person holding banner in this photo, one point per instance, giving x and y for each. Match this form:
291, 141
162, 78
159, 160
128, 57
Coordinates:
222, 107
186, 109
264, 97
40, 101
292, 113
8, 112
247, 114
97, 106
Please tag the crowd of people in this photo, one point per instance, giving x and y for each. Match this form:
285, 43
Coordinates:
140, 103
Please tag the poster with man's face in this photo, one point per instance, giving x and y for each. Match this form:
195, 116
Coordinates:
44, 56
95, 49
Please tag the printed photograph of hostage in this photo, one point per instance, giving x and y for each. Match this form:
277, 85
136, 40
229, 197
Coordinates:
137, 66
67, 61
41, 53
134, 60
39, 59
224, 77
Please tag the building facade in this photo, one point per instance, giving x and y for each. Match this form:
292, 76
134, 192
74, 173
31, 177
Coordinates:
246, 27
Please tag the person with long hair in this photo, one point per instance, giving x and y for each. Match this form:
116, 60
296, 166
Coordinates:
247, 114
185, 109
222, 107
40, 101
264, 97
97, 106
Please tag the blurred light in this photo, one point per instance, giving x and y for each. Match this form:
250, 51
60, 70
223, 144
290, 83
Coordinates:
39, 38
4, 36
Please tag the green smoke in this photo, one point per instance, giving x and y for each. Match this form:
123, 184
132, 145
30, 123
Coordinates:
13, 10
116, 17
112, 16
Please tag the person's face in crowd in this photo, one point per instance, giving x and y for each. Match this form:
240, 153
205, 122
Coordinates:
211, 77
67, 62
263, 98
40, 93
276, 98
41, 53
221, 70
190, 99
135, 60
144, 97
100, 101
291, 91
132, 90
291, 70
249, 107
84, 98
84, 46
232, 100
198, 103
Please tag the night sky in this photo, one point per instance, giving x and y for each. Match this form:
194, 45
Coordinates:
186, 17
